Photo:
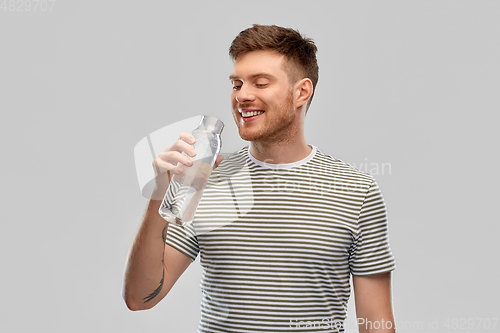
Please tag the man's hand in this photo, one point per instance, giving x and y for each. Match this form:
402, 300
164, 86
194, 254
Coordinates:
170, 162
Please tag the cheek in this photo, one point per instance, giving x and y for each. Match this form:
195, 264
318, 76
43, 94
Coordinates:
232, 99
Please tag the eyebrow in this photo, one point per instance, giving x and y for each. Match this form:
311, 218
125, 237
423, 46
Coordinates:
253, 76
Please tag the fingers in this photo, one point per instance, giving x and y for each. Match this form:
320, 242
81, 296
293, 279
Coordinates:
189, 138
184, 144
170, 161
172, 158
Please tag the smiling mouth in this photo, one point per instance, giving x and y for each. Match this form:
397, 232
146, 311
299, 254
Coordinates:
246, 114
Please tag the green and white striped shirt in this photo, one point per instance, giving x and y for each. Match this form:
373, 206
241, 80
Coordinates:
278, 242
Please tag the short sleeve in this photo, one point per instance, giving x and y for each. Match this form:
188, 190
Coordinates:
183, 239
371, 252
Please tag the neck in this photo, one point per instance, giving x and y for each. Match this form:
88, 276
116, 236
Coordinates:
291, 149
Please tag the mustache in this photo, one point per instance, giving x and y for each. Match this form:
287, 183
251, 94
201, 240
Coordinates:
249, 106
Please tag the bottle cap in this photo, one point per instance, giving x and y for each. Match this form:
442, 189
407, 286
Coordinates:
212, 124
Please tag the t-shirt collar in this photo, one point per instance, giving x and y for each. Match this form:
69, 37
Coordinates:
284, 165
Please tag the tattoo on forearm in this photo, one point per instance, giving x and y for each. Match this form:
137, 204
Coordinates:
157, 290
164, 233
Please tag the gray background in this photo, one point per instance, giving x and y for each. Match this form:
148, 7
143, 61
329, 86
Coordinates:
410, 84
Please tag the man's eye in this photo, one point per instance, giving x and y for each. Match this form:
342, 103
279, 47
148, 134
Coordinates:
237, 84
261, 85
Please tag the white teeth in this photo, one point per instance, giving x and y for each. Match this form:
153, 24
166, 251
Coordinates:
251, 113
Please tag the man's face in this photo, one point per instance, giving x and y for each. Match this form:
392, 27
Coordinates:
262, 97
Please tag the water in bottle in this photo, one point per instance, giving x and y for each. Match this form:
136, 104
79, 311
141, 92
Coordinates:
185, 190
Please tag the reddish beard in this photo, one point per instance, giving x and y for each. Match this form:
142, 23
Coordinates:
278, 124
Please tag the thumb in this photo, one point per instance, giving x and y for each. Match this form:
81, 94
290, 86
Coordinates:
218, 160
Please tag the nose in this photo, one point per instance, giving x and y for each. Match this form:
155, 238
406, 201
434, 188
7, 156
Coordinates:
244, 94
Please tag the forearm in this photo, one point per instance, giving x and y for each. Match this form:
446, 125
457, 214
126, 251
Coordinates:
152, 267
145, 272
377, 325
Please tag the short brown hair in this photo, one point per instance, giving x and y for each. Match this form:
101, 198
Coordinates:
298, 50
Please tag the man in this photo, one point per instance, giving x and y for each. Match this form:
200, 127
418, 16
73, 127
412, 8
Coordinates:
311, 221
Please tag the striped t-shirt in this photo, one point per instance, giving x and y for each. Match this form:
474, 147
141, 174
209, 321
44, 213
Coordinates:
278, 242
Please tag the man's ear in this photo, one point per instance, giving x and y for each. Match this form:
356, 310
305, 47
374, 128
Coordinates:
304, 89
